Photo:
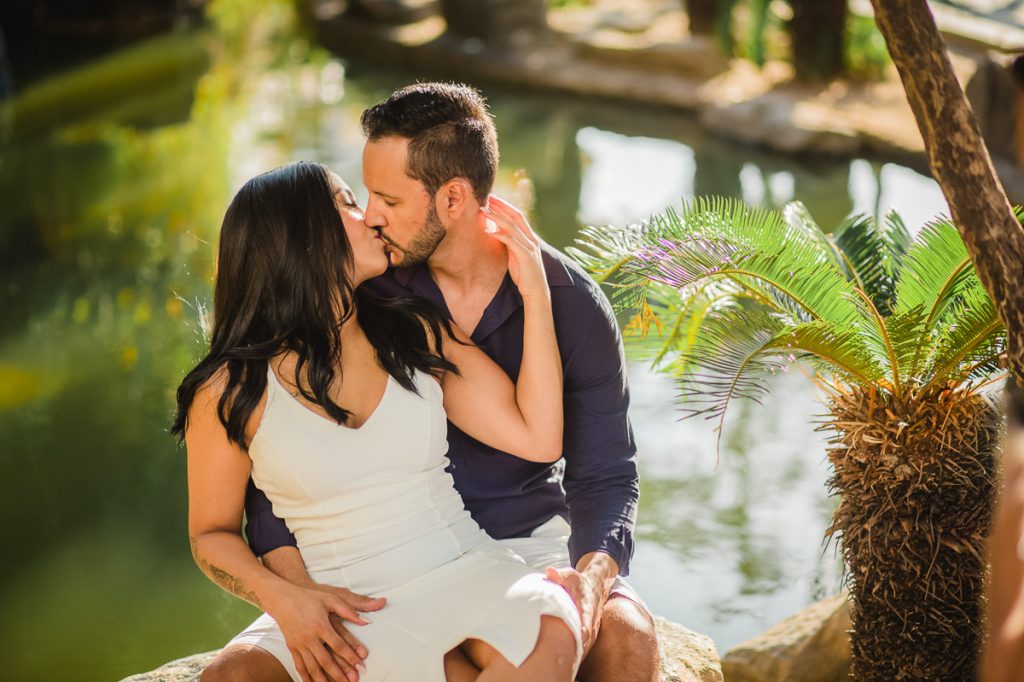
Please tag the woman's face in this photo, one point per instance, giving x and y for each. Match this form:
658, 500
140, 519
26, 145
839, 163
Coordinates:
369, 258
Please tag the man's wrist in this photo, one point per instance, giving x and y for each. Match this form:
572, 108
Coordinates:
600, 567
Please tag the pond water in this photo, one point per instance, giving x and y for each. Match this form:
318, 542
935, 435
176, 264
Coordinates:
106, 257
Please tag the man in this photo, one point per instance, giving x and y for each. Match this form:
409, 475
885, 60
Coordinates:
429, 165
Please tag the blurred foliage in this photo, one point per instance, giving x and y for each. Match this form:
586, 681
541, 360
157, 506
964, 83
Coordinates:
114, 189
559, 4
867, 57
756, 30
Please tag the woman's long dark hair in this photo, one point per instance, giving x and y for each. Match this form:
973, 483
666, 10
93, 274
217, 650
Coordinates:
283, 269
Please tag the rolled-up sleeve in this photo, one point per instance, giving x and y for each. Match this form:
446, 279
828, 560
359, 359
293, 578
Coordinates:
265, 531
601, 482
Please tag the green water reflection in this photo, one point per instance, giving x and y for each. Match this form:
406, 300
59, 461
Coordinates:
106, 251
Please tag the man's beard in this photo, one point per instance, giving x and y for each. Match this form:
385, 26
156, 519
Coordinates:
425, 243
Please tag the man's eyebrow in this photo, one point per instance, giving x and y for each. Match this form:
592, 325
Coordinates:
382, 194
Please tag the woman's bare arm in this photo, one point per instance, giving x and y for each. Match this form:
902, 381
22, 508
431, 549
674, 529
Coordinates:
525, 418
218, 472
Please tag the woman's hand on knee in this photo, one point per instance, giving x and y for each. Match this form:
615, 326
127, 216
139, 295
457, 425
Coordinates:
321, 646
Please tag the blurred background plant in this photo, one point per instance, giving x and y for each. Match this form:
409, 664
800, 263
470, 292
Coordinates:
821, 38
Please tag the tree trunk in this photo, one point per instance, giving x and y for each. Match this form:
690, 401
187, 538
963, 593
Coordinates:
818, 33
915, 506
703, 16
496, 21
959, 161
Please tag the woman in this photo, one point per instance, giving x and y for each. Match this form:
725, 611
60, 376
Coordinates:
335, 403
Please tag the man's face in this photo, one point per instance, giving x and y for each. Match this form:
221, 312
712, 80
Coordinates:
399, 206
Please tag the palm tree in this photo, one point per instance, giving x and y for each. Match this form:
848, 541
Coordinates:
902, 339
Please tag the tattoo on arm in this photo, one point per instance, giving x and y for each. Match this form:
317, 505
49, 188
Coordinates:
222, 578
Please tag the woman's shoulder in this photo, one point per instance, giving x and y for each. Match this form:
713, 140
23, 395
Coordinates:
214, 400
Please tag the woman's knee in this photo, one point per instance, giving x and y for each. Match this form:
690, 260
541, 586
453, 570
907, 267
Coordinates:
558, 642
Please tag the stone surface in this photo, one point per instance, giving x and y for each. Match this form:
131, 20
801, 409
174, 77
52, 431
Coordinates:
686, 656
809, 646
181, 670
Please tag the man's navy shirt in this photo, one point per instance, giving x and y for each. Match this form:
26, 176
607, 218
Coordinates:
509, 497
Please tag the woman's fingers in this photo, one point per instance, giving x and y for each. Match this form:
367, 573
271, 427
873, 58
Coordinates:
514, 243
350, 639
509, 224
508, 210
313, 671
300, 665
360, 602
338, 607
328, 667
507, 227
341, 649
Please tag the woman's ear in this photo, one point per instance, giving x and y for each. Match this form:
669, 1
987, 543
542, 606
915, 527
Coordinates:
456, 198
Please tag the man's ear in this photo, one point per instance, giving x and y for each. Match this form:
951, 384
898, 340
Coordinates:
456, 198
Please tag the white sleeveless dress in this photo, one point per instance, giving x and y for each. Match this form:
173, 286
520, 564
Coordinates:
373, 510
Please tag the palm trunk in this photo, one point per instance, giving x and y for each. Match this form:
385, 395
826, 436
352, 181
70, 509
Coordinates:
916, 483
959, 161
817, 31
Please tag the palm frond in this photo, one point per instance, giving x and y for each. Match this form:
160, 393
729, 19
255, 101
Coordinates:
935, 270
727, 360
873, 330
831, 349
606, 249
725, 295
899, 237
790, 269
873, 255
966, 339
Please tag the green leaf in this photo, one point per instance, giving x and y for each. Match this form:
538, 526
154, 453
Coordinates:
787, 268
873, 255
935, 270
831, 348
966, 338
728, 360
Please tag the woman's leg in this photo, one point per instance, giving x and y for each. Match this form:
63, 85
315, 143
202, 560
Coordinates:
458, 667
551, 660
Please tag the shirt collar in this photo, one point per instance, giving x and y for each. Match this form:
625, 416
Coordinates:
418, 280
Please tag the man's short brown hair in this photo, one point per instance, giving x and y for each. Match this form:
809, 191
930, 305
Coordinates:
450, 134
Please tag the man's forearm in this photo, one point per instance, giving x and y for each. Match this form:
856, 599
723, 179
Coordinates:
286, 562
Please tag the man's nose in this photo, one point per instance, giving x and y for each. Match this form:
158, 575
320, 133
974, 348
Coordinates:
373, 216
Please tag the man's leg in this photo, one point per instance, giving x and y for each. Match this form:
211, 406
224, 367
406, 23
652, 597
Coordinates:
245, 663
626, 648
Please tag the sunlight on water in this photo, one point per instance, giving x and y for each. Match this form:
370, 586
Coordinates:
625, 179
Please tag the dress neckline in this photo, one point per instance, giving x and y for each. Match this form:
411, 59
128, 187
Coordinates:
326, 420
